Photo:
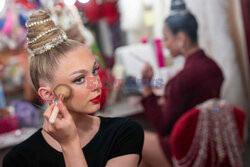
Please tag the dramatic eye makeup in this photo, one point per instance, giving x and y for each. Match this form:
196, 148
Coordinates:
83, 73
79, 80
80, 76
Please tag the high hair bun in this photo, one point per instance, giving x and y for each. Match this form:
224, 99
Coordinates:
42, 33
178, 5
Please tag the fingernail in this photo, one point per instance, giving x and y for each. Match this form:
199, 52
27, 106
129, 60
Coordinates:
59, 102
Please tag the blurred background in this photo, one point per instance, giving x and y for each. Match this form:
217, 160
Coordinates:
123, 35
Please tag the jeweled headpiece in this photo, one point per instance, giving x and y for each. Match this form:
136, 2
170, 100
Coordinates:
51, 44
178, 7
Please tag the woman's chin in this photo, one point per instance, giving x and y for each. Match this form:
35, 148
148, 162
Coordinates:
94, 108
97, 107
91, 109
173, 55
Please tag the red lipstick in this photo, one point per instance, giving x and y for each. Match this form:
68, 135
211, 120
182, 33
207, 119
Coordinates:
96, 100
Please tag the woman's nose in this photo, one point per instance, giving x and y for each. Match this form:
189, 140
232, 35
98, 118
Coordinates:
165, 44
94, 83
97, 83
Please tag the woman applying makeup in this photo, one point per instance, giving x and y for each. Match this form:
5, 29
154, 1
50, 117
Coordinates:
200, 79
76, 139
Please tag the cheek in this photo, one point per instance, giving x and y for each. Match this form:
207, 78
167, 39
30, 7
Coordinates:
169, 44
81, 93
80, 97
173, 47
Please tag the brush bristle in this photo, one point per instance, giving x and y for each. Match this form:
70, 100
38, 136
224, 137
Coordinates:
63, 90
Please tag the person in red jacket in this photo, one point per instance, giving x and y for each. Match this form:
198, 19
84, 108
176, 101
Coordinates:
200, 79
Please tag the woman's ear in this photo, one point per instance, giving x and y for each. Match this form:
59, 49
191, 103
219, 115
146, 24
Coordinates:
46, 94
181, 41
181, 37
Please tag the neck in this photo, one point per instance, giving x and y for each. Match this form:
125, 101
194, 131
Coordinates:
190, 50
84, 122
87, 126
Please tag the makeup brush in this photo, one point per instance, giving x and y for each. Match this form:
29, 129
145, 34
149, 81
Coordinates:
61, 91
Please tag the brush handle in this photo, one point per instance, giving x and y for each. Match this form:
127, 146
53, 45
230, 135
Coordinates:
53, 116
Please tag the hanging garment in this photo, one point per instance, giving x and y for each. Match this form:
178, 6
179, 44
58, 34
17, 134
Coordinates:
209, 135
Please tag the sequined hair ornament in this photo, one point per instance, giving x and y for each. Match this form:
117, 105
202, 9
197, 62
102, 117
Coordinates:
48, 46
178, 7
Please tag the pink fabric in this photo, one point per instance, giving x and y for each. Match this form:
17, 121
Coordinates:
144, 40
8, 124
8, 26
159, 54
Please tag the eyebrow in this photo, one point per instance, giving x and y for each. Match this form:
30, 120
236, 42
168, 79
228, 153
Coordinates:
81, 71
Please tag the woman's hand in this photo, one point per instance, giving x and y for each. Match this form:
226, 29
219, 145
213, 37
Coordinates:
147, 72
64, 129
65, 133
147, 75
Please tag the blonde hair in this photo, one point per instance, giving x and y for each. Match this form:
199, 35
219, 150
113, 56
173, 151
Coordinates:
42, 66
